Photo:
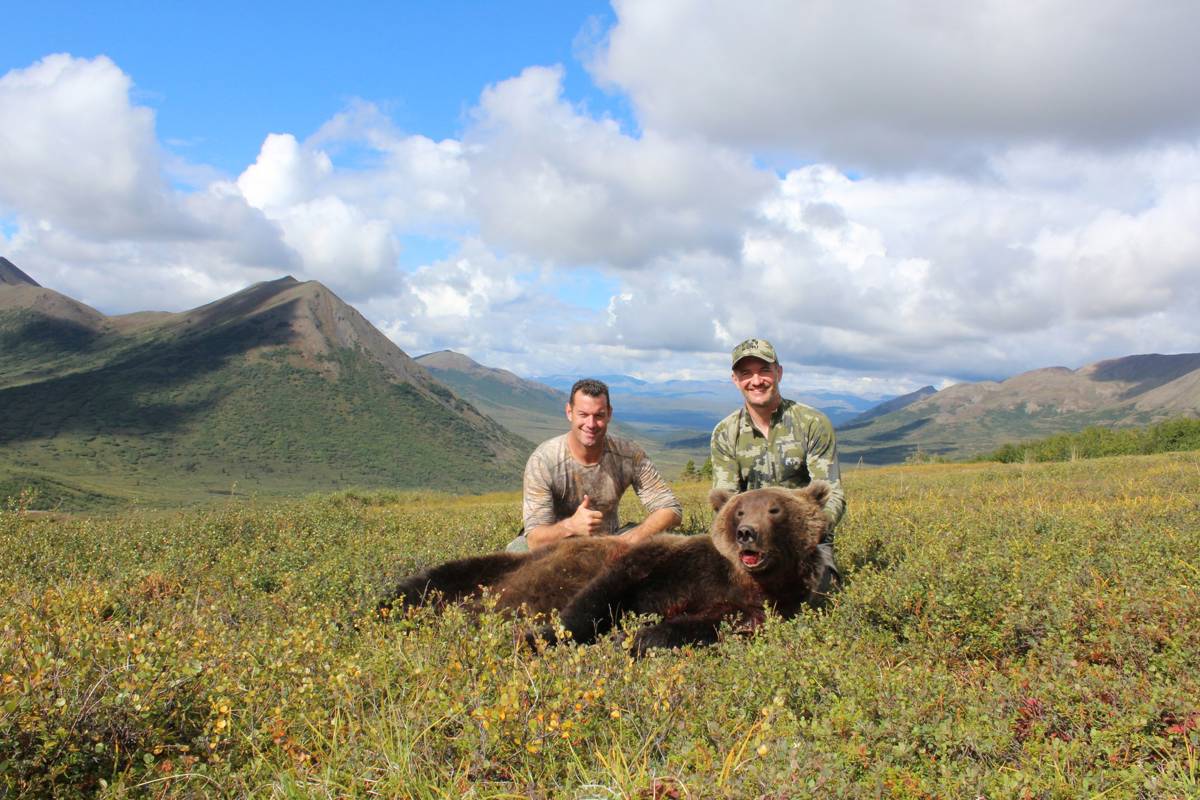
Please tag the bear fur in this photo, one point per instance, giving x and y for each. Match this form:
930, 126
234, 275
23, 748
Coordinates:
761, 552
535, 582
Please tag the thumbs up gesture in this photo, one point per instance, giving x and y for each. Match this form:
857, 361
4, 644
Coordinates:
585, 521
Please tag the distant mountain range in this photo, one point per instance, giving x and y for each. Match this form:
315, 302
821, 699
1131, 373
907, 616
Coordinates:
283, 388
701, 404
672, 419
279, 388
974, 418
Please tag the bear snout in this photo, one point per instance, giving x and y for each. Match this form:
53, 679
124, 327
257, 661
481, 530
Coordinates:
746, 534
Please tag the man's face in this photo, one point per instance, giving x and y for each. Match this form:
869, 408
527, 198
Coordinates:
589, 418
758, 381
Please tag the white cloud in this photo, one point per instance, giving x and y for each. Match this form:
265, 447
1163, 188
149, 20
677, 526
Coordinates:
83, 180
75, 151
1056, 251
944, 275
555, 183
874, 83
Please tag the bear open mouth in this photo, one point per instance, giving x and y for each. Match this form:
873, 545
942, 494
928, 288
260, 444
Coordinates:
751, 559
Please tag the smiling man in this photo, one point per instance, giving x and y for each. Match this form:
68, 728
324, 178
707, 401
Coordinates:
574, 482
772, 441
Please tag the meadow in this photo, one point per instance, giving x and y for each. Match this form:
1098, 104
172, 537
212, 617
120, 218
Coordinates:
1005, 631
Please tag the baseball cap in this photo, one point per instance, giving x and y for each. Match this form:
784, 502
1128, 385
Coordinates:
759, 348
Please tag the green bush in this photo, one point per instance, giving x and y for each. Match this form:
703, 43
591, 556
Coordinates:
1171, 436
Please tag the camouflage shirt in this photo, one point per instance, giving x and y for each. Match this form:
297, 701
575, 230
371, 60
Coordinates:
555, 483
799, 447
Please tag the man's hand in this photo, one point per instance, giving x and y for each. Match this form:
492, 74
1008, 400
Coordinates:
585, 521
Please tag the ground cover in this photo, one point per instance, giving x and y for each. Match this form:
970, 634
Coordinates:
1006, 630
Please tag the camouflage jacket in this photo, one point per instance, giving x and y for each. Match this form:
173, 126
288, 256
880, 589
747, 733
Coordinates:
799, 447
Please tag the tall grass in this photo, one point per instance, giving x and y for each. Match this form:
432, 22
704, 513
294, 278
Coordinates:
1005, 631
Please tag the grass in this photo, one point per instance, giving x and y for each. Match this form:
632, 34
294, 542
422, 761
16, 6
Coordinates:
1022, 630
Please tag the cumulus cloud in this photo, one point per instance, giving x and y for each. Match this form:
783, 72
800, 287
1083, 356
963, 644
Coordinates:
75, 151
556, 183
502, 311
84, 183
343, 220
1054, 248
878, 84
944, 275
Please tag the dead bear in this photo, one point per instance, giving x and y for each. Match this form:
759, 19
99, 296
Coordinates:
761, 552
536, 582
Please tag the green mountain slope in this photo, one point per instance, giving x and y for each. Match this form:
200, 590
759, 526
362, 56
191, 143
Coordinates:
280, 388
529, 409
973, 418
534, 410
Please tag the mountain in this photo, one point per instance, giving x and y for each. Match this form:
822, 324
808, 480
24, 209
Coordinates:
279, 388
699, 405
11, 276
527, 408
888, 406
972, 418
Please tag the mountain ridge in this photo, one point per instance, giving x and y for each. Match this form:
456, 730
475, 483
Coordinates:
971, 418
279, 386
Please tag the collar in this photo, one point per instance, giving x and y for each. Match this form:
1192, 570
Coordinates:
745, 424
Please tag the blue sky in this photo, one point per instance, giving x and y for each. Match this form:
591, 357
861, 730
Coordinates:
893, 198
220, 75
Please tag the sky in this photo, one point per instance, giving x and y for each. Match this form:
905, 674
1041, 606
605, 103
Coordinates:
895, 194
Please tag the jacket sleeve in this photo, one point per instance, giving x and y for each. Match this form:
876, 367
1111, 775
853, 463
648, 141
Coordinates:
724, 464
823, 465
651, 489
537, 500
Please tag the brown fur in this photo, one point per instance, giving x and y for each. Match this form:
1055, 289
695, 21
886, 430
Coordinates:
536, 582
761, 551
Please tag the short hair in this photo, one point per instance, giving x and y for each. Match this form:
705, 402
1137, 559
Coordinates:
592, 388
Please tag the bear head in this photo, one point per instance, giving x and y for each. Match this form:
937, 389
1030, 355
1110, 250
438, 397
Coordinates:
771, 530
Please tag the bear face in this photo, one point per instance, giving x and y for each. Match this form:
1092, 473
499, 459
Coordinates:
770, 531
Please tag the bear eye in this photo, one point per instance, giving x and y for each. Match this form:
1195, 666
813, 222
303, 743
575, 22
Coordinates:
773, 510
740, 513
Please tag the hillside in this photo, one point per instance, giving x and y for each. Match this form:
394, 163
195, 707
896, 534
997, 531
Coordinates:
280, 387
529, 409
888, 406
971, 418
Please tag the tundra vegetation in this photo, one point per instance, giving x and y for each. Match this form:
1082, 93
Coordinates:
1006, 630
1168, 436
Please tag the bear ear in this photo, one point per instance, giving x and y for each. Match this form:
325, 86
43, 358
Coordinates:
818, 491
719, 497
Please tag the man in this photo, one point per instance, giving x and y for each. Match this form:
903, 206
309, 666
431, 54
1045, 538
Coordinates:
574, 482
771, 441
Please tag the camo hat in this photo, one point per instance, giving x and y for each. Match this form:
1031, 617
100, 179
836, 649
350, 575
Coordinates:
758, 348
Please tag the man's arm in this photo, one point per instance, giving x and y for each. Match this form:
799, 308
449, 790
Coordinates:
537, 507
664, 509
724, 465
584, 522
656, 522
823, 465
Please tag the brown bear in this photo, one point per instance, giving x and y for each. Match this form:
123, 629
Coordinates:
536, 582
761, 552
